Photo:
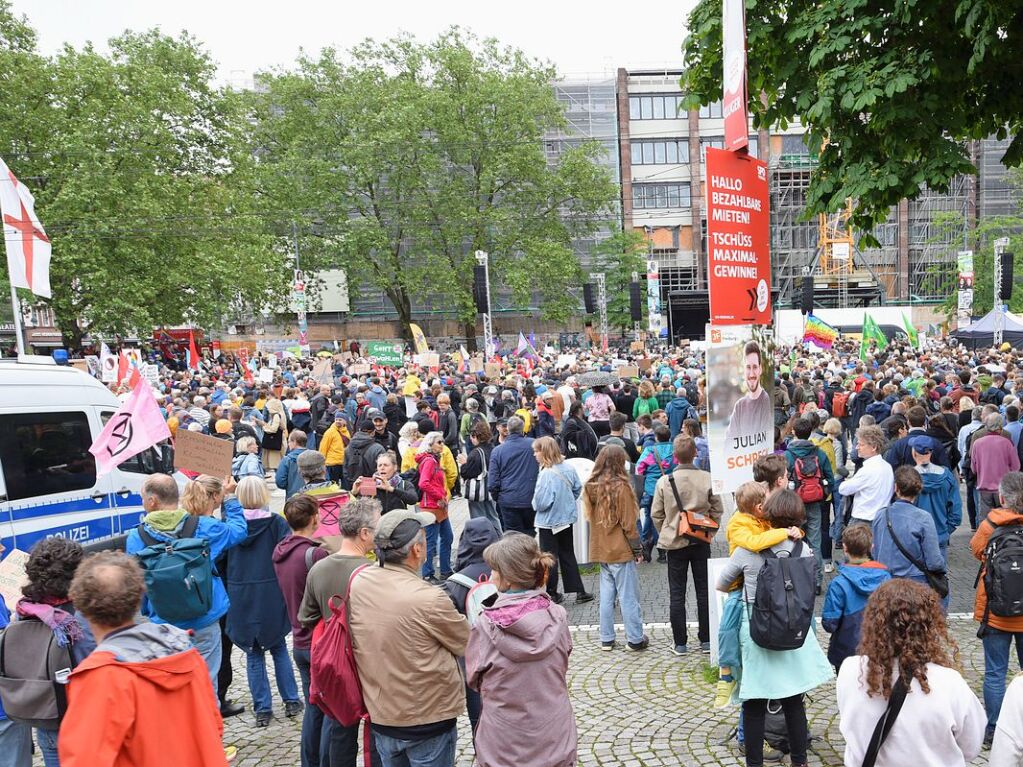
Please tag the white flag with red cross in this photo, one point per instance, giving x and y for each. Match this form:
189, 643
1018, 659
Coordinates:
28, 247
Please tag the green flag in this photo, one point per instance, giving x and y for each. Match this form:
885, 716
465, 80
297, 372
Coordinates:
914, 337
871, 332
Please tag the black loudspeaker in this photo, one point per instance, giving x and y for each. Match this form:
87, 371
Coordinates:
479, 289
635, 301
806, 304
1006, 286
589, 299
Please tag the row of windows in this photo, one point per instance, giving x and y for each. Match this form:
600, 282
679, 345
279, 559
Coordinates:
658, 106
645, 196
661, 152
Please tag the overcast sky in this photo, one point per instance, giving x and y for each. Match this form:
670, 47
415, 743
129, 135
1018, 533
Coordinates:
579, 38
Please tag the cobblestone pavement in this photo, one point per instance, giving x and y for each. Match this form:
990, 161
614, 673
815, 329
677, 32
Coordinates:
639, 709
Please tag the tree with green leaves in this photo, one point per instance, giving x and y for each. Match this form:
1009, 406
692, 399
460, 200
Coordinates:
141, 171
619, 257
890, 93
409, 157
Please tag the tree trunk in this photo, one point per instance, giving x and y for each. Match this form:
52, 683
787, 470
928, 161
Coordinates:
400, 300
71, 336
470, 336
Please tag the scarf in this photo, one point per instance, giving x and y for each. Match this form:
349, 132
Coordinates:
66, 630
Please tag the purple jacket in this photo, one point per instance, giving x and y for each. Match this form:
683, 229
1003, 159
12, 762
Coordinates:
291, 567
517, 658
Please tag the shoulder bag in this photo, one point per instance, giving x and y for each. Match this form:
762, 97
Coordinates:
884, 724
476, 488
693, 525
936, 579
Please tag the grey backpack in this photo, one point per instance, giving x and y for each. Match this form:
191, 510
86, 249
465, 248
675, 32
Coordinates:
34, 671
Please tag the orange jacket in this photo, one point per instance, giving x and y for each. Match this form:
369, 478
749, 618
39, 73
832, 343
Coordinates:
160, 713
977, 544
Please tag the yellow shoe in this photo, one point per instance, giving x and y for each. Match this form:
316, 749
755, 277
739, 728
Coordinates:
723, 693
230, 752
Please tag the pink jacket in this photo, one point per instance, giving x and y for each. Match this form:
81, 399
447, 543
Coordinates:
518, 658
991, 458
432, 489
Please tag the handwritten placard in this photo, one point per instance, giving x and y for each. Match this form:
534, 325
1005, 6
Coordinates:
627, 371
358, 370
266, 375
477, 363
645, 363
12, 577
431, 360
207, 455
492, 370
636, 346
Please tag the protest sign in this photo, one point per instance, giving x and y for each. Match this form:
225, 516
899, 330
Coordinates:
565, 361
645, 364
636, 346
385, 353
628, 371
476, 363
12, 577
358, 370
203, 454
431, 360
323, 372
266, 375
492, 370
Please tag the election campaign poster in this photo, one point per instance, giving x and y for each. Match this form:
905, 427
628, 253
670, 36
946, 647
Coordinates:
734, 101
740, 388
385, 353
738, 239
964, 305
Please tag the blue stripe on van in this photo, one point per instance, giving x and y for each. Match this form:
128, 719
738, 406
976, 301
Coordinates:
61, 507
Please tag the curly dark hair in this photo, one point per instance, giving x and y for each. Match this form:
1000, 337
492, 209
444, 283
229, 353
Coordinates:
51, 566
904, 624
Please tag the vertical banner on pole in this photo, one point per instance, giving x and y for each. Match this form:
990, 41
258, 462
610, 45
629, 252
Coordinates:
965, 304
738, 239
734, 104
653, 298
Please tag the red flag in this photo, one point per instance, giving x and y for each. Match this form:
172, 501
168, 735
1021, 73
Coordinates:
193, 353
122, 366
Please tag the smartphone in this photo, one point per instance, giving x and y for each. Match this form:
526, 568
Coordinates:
367, 486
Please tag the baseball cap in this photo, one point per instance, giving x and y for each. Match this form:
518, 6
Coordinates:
311, 460
373, 414
921, 444
400, 526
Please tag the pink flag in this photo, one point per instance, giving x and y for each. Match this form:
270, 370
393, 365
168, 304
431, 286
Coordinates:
137, 426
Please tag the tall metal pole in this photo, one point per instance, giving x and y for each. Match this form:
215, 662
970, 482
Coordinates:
483, 259
598, 277
1000, 245
19, 333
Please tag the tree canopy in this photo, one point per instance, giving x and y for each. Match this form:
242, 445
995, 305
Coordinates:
890, 93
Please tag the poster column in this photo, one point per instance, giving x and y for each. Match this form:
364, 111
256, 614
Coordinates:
738, 239
653, 298
734, 101
964, 311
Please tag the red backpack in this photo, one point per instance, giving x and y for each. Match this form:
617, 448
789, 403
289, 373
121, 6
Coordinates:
809, 479
840, 404
334, 686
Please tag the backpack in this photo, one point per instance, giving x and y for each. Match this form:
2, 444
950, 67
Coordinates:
784, 600
474, 419
334, 685
840, 404
1002, 570
481, 593
326, 420
809, 478
178, 573
33, 684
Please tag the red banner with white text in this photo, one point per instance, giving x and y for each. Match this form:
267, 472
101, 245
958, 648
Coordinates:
734, 104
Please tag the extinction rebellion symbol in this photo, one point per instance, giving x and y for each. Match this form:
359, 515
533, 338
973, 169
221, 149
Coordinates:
120, 435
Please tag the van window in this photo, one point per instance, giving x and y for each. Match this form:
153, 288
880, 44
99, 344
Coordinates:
46, 453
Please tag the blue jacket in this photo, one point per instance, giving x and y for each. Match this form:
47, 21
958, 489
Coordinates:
663, 454
554, 499
377, 398
288, 477
257, 615
940, 498
677, 411
702, 454
221, 535
880, 410
916, 533
901, 454
512, 473
842, 616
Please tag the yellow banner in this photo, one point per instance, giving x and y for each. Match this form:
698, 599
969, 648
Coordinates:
420, 338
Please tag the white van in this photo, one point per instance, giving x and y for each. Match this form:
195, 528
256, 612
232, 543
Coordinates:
49, 417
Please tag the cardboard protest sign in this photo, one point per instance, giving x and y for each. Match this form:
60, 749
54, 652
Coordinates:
431, 360
477, 363
358, 370
628, 371
323, 372
204, 454
636, 346
12, 577
644, 364
492, 370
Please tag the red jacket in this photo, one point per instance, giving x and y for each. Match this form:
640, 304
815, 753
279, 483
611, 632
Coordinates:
433, 490
160, 713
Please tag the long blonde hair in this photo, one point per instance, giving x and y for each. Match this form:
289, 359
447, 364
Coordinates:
548, 451
604, 484
200, 493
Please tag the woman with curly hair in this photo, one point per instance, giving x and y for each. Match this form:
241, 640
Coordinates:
905, 636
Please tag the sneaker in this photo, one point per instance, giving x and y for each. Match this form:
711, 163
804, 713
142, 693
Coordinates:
292, 708
723, 693
230, 753
557, 597
662, 557
432, 580
770, 754
263, 718
704, 646
642, 644
680, 649
829, 567
608, 646
583, 597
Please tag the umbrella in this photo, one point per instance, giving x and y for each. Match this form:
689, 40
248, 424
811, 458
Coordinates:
597, 378
324, 353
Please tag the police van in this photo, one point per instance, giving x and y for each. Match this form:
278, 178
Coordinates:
49, 417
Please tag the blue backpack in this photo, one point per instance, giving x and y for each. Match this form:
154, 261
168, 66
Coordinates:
178, 573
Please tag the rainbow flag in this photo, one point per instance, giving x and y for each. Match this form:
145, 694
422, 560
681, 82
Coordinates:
818, 332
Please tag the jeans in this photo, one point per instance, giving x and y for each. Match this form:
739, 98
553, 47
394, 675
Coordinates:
835, 528
339, 746
486, 509
438, 751
996, 666
647, 531
943, 548
312, 717
754, 712
695, 555
207, 641
620, 580
259, 683
473, 702
563, 549
336, 473
813, 536
47, 741
518, 518
15, 744
446, 536
986, 500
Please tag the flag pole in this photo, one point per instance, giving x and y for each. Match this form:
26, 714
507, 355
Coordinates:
18, 331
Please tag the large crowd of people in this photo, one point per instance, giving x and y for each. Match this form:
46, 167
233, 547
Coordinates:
396, 629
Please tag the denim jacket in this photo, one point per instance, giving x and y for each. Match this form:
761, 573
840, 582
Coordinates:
555, 496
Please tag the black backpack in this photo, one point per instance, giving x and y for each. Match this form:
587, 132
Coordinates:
784, 600
1002, 570
326, 420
